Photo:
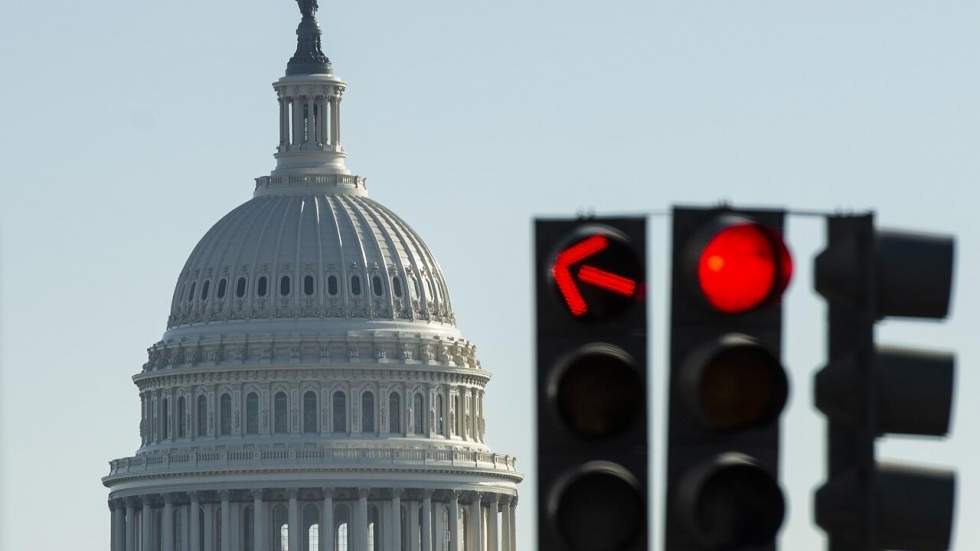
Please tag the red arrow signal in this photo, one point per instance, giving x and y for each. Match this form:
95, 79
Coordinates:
561, 270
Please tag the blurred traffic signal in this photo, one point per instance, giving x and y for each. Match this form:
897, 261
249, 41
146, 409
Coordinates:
727, 384
591, 384
867, 275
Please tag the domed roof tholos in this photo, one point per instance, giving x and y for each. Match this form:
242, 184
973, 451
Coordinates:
310, 257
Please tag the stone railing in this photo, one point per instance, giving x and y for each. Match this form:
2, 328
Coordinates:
344, 181
232, 458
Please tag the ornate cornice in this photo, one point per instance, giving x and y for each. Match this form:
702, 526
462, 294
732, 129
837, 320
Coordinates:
231, 461
354, 350
354, 375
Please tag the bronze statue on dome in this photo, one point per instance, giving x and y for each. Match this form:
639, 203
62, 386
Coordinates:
308, 7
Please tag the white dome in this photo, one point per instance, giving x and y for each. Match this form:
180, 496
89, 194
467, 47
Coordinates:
311, 364
310, 257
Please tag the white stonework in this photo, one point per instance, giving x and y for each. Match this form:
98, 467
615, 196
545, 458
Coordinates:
312, 387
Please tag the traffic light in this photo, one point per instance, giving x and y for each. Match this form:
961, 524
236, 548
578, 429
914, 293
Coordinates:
727, 384
867, 275
591, 384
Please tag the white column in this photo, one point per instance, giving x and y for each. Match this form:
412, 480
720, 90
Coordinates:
413, 526
236, 526
225, 520
283, 121
505, 524
194, 512
439, 537
427, 520
167, 524
208, 527
297, 122
258, 521
118, 526
185, 534
396, 520
335, 122
512, 510
130, 525
454, 521
294, 524
324, 120
146, 524
474, 418
493, 542
327, 535
476, 513
361, 539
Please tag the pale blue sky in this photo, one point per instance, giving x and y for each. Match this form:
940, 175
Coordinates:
128, 128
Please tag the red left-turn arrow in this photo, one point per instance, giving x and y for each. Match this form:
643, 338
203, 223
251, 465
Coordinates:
562, 272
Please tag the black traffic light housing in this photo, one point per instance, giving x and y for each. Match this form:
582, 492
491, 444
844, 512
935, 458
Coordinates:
727, 385
591, 344
866, 391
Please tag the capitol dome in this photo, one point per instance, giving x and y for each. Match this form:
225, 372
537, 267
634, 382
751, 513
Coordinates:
316, 256
311, 391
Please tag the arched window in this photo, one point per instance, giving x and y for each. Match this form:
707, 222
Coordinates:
342, 521
418, 412
240, 287
311, 527
394, 413
376, 286
355, 285
339, 411
252, 413
309, 285
248, 530
332, 285
222, 287
165, 419
204, 289
374, 529
396, 286
406, 542
280, 528
440, 415
310, 413
190, 296
202, 415
459, 415
225, 414
284, 286
281, 420
263, 286
367, 412
181, 417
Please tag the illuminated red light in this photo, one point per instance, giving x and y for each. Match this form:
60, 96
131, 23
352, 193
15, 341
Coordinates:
742, 266
605, 280
563, 275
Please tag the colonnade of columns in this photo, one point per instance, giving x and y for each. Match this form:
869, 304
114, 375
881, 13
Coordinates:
312, 120
349, 519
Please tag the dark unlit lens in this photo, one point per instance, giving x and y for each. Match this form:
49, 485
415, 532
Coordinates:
599, 511
738, 506
599, 394
741, 387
